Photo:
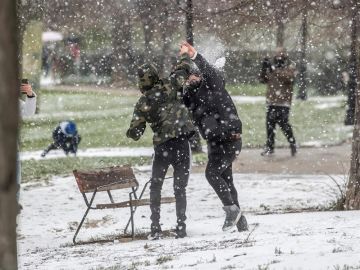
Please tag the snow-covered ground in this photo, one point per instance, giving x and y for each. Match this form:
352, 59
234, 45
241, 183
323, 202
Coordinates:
324, 101
92, 152
277, 239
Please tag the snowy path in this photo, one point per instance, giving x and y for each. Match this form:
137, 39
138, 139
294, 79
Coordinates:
314, 240
324, 160
92, 152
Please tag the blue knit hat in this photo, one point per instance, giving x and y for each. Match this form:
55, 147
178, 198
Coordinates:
68, 128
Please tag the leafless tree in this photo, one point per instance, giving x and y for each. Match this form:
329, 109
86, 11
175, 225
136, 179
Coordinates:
353, 189
303, 48
8, 132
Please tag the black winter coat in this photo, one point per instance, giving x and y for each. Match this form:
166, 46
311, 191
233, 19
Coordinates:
212, 108
67, 143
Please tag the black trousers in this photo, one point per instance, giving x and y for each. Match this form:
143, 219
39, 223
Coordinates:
219, 170
174, 152
278, 115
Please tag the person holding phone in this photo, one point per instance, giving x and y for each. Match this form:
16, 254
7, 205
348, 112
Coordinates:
27, 108
28, 105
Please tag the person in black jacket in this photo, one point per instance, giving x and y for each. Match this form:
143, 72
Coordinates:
215, 114
65, 137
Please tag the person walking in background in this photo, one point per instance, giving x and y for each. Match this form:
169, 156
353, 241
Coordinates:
65, 137
216, 117
279, 77
161, 107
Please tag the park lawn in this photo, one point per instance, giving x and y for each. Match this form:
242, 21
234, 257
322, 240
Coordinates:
103, 119
35, 170
42, 170
246, 89
313, 125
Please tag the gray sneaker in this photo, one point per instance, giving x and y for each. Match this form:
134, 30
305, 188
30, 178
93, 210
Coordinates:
242, 224
233, 215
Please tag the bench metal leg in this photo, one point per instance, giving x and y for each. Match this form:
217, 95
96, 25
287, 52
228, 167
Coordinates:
134, 208
86, 212
132, 218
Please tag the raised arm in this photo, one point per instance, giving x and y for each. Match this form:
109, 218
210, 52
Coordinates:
210, 74
28, 107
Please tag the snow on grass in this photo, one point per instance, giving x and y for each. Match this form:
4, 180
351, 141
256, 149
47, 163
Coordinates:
103, 118
92, 152
312, 240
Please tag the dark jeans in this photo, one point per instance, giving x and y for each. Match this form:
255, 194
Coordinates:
175, 152
278, 115
219, 170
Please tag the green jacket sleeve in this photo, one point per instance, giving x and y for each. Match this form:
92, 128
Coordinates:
137, 124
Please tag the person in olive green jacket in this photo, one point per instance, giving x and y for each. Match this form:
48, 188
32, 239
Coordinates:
279, 77
161, 106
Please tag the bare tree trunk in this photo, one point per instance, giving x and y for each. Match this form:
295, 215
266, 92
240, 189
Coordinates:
353, 189
146, 12
9, 114
122, 45
166, 34
353, 66
302, 70
280, 18
189, 25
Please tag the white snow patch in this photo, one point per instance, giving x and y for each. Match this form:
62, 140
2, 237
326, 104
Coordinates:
92, 152
324, 106
248, 99
323, 101
314, 240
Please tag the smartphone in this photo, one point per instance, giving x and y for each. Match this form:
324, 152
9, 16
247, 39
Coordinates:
24, 81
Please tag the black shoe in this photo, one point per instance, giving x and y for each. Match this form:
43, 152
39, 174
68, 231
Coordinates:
43, 154
293, 149
242, 224
180, 231
155, 236
267, 151
233, 215
156, 232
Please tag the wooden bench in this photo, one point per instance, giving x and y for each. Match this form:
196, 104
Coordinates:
112, 178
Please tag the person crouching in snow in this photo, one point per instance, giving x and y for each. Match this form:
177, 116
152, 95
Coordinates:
66, 137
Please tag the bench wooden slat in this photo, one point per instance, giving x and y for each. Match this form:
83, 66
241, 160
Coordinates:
136, 203
116, 177
116, 186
